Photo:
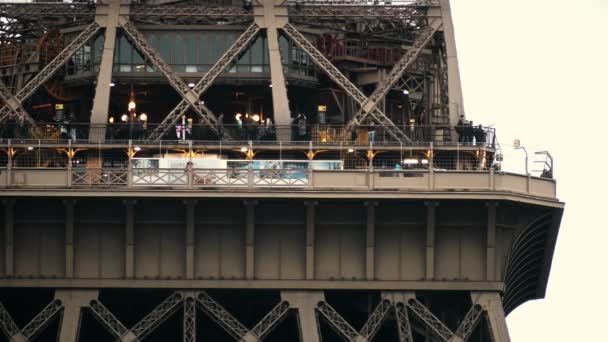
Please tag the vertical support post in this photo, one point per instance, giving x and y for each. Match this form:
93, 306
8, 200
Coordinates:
73, 301
69, 238
129, 239
190, 206
492, 304
189, 317
431, 208
271, 18
370, 250
250, 239
9, 222
310, 239
9, 165
491, 242
306, 302
454, 87
101, 101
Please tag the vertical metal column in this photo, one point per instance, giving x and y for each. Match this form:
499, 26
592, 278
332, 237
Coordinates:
306, 302
271, 18
9, 222
454, 88
73, 301
430, 239
250, 239
106, 16
492, 304
310, 239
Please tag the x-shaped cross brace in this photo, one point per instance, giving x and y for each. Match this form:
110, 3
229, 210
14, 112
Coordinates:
28, 332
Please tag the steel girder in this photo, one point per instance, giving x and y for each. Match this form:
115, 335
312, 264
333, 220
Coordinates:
429, 319
175, 81
469, 322
189, 14
142, 328
425, 35
342, 327
30, 331
235, 328
403, 323
342, 81
204, 83
189, 320
50, 69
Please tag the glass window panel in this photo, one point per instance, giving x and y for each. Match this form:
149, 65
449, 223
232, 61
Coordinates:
257, 52
125, 51
165, 47
191, 68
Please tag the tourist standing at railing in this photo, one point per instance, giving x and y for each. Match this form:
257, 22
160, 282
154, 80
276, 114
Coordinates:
353, 134
302, 127
460, 129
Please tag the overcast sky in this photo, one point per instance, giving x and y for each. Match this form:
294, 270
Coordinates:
537, 69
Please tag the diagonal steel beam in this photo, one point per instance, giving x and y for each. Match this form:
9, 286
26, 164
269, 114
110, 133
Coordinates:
108, 320
376, 319
42, 319
8, 326
403, 323
424, 36
157, 316
50, 69
221, 316
338, 323
271, 320
204, 83
342, 81
469, 322
429, 319
175, 81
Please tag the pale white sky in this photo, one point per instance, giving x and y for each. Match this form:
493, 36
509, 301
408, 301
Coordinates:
538, 70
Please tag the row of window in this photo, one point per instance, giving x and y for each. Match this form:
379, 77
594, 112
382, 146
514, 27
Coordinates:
191, 52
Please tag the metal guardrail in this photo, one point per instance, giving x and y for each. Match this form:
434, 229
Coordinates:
122, 133
131, 179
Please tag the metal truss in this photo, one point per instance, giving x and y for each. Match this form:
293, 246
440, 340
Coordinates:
189, 320
469, 322
175, 81
188, 14
235, 328
359, 13
160, 314
221, 316
6, 95
411, 83
49, 70
342, 81
45, 11
342, 327
406, 60
7, 324
403, 323
339, 324
429, 319
142, 328
41, 319
108, 320
376, 319
271, 320
30, 331
204, 83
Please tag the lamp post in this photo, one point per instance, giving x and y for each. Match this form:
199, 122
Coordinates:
517, 146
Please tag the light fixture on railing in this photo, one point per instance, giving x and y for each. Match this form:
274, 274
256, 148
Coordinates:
350, 150
256, 118
30, 148
424, 161
124, 118
406, 92
111, 120
410, 161
143, 117
244, 149
112, 84
191, 85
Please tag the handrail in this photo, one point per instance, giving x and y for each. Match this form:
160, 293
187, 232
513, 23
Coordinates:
279, 179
